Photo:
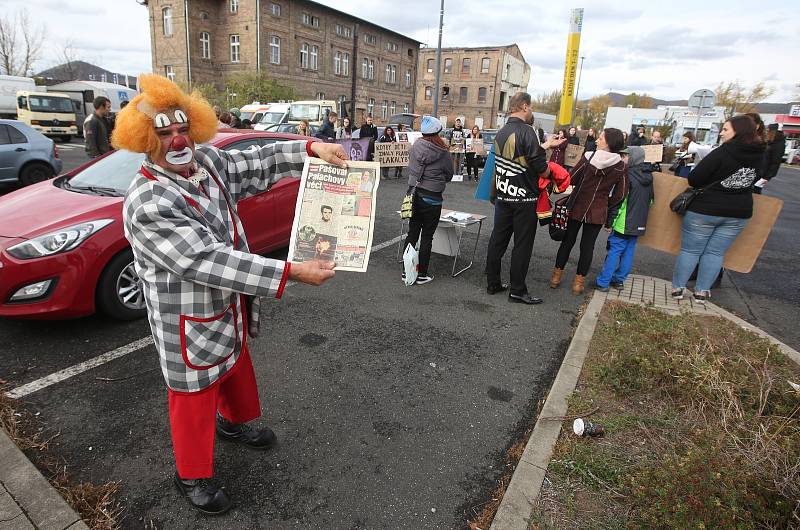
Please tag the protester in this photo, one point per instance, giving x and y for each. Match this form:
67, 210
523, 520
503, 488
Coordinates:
639, 138
96, 128
591, 141
559, 149
303, 128
389, 136
655, 138
572, 136
456, 137
625, 139
368, 129
773, 156
225, 120
429, 171
328, 130
236, 118
345, 132
685, 162
520, 162
716, 216
627, 221
761, 131
600, 183
472, 158
540, 133
193, 261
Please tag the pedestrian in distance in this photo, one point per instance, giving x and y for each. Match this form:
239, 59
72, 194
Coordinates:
389, 136
599, 182
472, 157
345, 132
640, 138
626, 222
201, 282
716, 217
520, 162
773, 156
685, 160
224, 120
328, 131
368, 129
236, 118
572, 136
429, 170
303, 128
558, 150
591, 141
624, 139
97, 130
457, 137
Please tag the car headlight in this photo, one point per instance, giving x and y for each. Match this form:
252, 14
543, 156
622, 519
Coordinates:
58, 241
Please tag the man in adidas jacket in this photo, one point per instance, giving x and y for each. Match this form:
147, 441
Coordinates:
519, 162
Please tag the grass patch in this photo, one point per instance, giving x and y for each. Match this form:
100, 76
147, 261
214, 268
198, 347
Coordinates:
96, 504
702, 429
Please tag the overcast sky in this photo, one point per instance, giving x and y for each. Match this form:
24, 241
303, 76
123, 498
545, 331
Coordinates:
667, 51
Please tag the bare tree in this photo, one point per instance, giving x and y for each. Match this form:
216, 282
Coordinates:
735, 97
68, 56
20, 43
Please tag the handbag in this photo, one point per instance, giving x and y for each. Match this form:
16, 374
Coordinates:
407, 206
563, 206
680, 204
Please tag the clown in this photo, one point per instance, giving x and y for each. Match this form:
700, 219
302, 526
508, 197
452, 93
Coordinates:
201, 282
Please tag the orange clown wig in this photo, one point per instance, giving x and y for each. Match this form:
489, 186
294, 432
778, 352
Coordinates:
160, 104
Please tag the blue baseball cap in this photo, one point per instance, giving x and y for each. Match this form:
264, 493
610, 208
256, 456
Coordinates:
430, 125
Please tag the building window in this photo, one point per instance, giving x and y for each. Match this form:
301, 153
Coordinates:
428, 92
465, 64
485, 65
314, 57
310, 20
104, 77
275, 50
304, 55
344, 31
392, 46
370, 39
234, 6
393, 108
166, 15
371, 69
320, 96
203, 15
408, 78
234, 48
448, 65
371, 106
337, 63
482, 94
115, 77
405, 107
462, 95
91, 77
391, 73
346, 64
169, 71
205, 45
275, 9
384, 109
430, 66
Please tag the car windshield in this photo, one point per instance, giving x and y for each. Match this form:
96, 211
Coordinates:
50, 104
247, 116
116, 171
304, 112
271, 117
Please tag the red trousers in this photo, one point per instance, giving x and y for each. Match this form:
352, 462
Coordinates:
193, 416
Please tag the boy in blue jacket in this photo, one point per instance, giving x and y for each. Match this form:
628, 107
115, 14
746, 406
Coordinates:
627, 222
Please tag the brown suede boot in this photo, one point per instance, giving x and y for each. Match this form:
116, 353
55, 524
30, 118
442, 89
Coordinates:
555, 279
577, 286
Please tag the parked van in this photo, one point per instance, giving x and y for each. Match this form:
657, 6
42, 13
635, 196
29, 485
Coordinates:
9, 86
276, 113
83, 93
50, 113
314, 111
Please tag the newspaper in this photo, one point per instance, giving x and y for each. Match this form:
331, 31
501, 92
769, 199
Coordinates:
334, 217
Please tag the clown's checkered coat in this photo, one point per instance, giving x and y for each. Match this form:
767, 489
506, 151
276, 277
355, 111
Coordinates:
182, 237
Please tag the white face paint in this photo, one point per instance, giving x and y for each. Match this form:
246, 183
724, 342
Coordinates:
161, 120
184, 156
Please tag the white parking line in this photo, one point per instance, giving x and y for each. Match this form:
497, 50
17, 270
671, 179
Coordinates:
72, 371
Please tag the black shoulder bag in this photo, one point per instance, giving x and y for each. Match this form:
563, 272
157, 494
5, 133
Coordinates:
680, 204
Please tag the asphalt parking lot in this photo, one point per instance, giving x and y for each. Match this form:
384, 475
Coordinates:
393, 405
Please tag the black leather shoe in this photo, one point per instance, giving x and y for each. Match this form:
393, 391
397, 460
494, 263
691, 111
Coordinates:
497, 288
204, 497
245, 434
524, 299
619, 286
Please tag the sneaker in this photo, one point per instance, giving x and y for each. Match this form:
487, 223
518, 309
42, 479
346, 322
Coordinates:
424, 279
619, 286
677, 294
702, 296
601, 288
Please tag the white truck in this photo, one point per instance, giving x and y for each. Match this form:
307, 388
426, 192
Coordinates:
83, 93
9, 86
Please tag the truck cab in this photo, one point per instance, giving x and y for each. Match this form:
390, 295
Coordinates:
315, 111
49, 113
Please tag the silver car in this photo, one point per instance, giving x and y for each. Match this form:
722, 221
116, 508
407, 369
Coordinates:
26, 156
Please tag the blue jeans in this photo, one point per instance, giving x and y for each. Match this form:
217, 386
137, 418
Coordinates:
619, 260
704, 239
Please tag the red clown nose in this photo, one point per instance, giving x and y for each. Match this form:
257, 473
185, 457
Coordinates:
178, 143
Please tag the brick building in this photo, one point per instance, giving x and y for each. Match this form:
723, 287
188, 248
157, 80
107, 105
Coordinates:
321, 52
476, 84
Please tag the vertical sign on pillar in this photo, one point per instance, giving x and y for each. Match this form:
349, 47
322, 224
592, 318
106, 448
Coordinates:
570, 66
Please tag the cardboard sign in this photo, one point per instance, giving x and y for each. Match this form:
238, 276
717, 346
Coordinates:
357, 149
457, 141
664, 226
572, 155
392, 154
410, 137
653, 153
475, 145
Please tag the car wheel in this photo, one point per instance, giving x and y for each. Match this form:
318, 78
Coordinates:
119, 291
66, 138
36, 172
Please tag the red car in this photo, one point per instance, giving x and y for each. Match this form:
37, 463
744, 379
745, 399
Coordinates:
63, 253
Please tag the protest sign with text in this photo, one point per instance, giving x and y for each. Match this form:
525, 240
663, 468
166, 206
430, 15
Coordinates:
334, 217
572, 155
392, 154
475, 145
653, 153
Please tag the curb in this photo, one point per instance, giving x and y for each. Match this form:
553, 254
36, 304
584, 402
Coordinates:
517, 505
27, 500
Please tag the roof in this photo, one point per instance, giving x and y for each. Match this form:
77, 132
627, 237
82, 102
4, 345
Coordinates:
512, 48
323, 6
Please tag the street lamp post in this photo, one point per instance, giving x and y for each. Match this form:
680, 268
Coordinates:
438, 63
577, 91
